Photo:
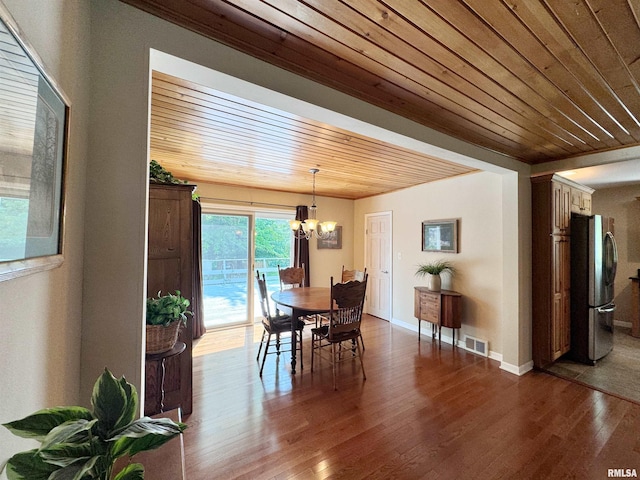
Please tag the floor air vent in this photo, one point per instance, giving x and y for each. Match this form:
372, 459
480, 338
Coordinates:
481, 347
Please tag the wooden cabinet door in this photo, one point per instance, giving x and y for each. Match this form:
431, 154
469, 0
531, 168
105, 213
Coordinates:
169, 269
560, 320
451, 311
565, 260
586, 204
576, 200
580, 202
561, 208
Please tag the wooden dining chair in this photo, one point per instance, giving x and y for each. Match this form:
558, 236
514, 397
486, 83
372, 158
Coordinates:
342, 325
277, 325
291, 277
348, 275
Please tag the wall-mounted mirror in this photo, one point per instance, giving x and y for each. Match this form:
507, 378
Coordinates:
34, 117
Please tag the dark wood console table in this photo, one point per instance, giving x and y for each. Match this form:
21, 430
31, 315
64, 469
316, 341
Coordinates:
441, 309
154, 384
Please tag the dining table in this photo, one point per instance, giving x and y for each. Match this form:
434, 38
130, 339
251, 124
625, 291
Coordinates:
302, 301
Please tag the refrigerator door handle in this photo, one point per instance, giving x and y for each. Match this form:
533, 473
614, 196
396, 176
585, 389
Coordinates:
612, 263
608, 309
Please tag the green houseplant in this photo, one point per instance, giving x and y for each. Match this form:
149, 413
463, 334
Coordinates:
432, 271
165, 315
158, 174
81, 444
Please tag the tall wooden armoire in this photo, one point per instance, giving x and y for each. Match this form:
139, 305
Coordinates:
170, 268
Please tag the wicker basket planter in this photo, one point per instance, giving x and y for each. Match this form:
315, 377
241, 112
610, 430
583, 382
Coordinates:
165, 315
162, 339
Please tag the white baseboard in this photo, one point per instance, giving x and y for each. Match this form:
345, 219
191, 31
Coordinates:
515, 369
425, 328
445, 337
507, 367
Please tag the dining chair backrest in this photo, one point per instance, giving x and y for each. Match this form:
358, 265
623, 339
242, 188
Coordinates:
348, 275
291, 277
347, 302
264, 295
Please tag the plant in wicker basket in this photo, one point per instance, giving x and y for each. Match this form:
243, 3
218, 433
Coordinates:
165, 315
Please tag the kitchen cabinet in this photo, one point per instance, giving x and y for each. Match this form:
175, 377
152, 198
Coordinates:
580, 201
554, 199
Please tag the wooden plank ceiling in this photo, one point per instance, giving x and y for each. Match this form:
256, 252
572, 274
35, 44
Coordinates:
536, 80
206, 135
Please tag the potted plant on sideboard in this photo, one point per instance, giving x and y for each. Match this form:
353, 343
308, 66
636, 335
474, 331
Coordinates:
165, 315
432, 271
80, 443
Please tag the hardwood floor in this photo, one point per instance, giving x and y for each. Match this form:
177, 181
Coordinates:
421, 413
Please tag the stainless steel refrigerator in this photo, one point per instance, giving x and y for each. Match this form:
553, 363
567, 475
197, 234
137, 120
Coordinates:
594, 259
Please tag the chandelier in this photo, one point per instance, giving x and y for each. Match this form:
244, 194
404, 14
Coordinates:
312, 226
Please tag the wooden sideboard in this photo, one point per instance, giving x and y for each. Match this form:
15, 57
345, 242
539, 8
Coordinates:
441, 309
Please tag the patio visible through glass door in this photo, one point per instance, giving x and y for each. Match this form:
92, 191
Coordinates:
225, 268
228, 279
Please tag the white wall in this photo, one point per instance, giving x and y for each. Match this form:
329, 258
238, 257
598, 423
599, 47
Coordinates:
621, 204
324, 262
41, 314
475, 199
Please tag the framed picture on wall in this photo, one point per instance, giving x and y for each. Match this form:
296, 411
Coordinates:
333, 240
440, 236
34, 114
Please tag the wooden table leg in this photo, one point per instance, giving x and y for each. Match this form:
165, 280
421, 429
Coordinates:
294, 338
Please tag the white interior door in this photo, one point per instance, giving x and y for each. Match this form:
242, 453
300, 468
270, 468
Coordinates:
378, 263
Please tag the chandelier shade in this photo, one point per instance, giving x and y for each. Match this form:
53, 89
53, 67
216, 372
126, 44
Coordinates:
311, 226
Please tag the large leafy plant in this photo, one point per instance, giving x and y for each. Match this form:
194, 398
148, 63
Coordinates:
166, 309
80, 444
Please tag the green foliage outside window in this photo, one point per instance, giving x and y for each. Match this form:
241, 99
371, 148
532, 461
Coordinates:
273, 238
14, 213
225, 237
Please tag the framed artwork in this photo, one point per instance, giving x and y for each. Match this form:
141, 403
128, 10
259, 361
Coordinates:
334, 240
34, 115
440, 236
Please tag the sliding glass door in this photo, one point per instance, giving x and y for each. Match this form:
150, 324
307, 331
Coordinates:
234, 245
226, 261
273, 247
